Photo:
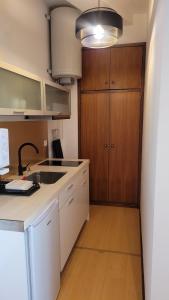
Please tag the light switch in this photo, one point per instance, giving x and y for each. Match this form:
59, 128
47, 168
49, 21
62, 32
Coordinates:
45, 143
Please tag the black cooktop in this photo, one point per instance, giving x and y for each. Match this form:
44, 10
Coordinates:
62, 163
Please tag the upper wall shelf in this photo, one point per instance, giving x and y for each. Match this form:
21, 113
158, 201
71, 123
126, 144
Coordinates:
24, 94
56, 99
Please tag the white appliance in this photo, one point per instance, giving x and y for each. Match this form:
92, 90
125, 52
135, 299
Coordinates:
4, 151
65, 48
44, 257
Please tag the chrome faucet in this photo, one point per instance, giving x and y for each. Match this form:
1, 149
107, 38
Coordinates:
21, 169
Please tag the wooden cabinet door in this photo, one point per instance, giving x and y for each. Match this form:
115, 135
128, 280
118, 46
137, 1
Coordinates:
126, 67
124, 154
95, 69
94, 137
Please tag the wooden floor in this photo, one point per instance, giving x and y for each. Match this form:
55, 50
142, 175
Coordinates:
105, 263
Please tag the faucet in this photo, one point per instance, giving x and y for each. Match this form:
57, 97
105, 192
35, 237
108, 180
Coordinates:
20, 167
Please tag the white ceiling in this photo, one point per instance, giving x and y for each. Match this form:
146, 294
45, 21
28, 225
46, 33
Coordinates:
127, 8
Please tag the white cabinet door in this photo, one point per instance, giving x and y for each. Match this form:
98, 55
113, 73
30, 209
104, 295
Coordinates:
68, 229
21, 93
83, 195
74, 211
13, 266
44, 254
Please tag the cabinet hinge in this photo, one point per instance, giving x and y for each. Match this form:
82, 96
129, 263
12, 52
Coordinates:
48, 17
49, 71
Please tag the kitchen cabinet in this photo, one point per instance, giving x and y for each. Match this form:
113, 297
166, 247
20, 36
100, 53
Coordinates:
126, 67
94, 138
95, 69
23, 275
112, 68
13, 266
56, 99
110, 138
30, 246
20, 92
124, 141
111, 122
73, 212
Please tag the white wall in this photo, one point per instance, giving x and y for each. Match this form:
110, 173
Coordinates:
155, 167
70, 128
24, 35
24, 43
135, 32
24, 40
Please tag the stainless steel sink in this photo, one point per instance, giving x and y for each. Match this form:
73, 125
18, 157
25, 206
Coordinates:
45, 177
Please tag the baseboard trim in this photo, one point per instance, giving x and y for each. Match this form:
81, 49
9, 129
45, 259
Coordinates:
108, 203
142, 258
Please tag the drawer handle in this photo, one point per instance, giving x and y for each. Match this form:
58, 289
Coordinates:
70, 201
112, 146
18, 112
85, 171
49, 223
70, 187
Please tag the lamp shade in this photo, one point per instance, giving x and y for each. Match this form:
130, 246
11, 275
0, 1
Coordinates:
99, 27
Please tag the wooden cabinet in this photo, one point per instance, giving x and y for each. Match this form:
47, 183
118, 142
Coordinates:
126, 67
94, 137
110, 124
124, 139
112, 68
95, 69
111, 105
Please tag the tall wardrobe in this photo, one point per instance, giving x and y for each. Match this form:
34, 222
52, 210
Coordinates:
110, 122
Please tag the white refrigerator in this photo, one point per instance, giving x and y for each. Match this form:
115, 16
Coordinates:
44, 256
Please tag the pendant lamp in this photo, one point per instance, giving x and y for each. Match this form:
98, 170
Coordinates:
99, 27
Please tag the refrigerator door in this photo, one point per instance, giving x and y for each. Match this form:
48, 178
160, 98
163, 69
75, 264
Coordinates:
44, 255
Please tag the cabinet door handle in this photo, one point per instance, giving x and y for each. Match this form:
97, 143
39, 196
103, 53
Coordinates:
49, 222
112, 146
70, 187
18, 112
70, 201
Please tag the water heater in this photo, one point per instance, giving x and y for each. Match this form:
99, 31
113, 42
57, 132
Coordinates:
65, 48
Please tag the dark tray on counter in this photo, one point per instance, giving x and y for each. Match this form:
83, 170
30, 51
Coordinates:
29, 192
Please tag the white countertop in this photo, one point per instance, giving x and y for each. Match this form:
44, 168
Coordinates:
26, 208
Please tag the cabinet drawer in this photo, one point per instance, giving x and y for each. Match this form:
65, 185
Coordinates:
83, 176
67, 192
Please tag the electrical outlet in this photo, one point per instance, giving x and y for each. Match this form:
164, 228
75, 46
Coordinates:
45, 143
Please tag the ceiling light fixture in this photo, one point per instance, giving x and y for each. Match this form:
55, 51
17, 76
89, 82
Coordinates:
99, 27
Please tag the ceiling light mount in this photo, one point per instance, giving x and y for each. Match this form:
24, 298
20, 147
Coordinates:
99, 27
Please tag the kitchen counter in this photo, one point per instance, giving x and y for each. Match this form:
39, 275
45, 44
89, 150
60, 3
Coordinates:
24, 209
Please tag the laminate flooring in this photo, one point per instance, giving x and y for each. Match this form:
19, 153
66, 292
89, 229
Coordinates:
106, 261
